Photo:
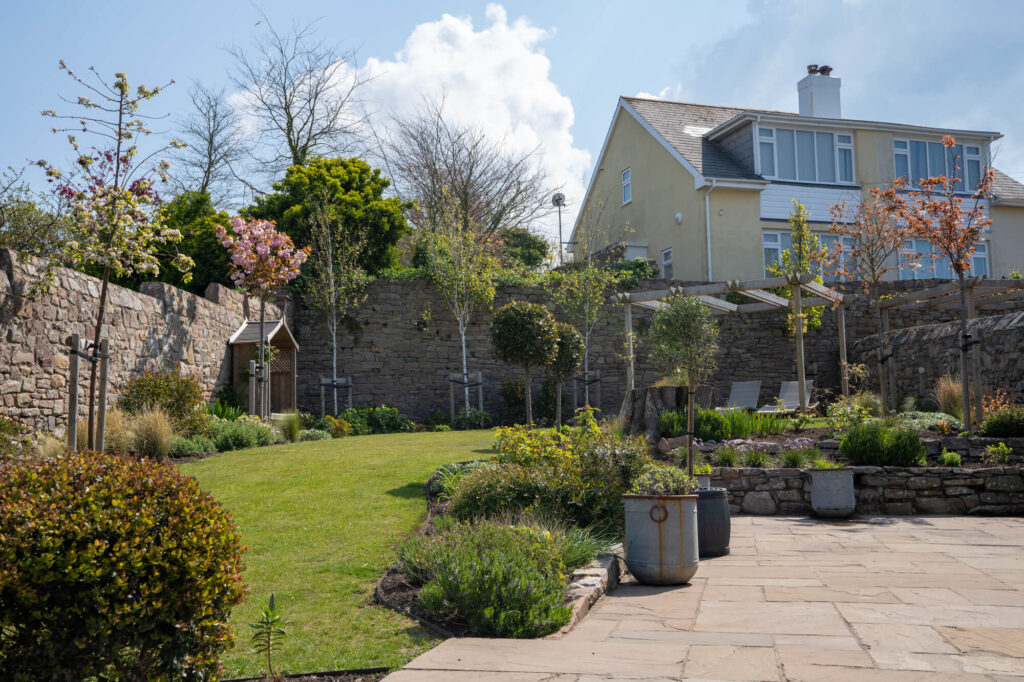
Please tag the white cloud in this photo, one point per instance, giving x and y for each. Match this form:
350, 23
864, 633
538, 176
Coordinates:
497, 78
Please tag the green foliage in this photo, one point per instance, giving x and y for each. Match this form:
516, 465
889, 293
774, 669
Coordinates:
13, 438
229, 396
758, 459
869, 402
568, 352
501, 580
152, 434
997, 454
520, 249
523, 333
628, 273
683, 340
581, 294
471, 418
805, 256
113, 568
191, 447
842, 414
26, 226
355, 194
727, 456
575, 474
193, 214
874, 443
379, 419
338, 427
1005, 423
948, 458
663, 479
291, 427
797, 458
702, 469
931, 421
707, 425
314, 434
224, 410
268, 632
825, 463
240, 435
442, 482
180, 397
744, 424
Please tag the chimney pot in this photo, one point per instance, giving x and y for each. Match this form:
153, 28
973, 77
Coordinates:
812, 68
825, 70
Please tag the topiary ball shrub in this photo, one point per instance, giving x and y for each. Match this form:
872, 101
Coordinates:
1006, 423
873, 443
113, 568
240, 435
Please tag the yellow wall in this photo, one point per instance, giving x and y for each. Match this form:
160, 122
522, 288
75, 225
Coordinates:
735, 234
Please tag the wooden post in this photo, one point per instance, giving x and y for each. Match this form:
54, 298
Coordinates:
101, 417
323, 407
252, 387
844, 370
975, 356
798, 325
630, 378
76, 344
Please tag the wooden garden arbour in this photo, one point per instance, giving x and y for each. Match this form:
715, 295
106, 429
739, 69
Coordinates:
982, 294
765, 301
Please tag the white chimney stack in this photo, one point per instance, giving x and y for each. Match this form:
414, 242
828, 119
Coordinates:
819, 93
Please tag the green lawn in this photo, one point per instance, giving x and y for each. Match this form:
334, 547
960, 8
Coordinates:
321, 521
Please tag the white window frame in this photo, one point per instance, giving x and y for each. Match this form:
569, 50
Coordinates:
627, 186
924, 267
772, 138
965, 187
666, 260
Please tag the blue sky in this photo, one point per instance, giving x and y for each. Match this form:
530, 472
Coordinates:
547, 74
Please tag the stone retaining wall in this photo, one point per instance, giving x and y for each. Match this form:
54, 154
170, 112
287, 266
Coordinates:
996, 491
157, 326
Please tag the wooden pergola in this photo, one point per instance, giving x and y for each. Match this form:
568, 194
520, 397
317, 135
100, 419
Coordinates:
765, 301
981, 294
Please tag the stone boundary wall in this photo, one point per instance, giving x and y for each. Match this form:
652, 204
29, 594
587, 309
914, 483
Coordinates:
397, 354
994, 491
936, 348
158, 326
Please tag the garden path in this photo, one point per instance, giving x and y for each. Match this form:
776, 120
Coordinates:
895, 598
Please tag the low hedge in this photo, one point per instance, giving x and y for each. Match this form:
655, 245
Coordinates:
1006, 423
874, 443
113, 568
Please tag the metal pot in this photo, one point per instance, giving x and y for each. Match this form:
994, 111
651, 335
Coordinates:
714, 526
832, 492
661, 538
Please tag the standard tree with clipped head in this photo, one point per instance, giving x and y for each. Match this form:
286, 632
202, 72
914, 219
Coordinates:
524, 334
683, 340
568, 356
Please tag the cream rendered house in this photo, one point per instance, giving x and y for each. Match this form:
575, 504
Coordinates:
705, 191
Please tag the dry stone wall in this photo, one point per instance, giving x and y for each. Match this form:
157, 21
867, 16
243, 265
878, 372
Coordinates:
993, 491
921, 354
403, 343
158, 326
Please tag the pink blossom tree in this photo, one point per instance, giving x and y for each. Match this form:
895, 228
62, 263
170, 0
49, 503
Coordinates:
262, 261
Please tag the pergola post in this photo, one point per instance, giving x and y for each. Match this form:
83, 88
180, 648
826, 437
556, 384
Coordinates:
844, 372
798, 325
630, 377
975, 358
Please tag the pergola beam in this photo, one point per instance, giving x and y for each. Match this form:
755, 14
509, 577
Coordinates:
771, 299
986, 301
712, 289
718, 304
919, 296
822, 291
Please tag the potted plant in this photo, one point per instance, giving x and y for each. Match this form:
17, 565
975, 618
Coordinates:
714, 524
661, 526
832, 489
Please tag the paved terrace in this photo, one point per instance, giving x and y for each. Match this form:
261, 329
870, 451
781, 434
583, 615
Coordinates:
899, 598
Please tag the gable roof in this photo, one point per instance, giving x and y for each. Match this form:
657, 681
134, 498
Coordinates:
249, 332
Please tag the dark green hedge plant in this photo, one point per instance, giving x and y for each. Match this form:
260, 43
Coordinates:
873, 443
180, 397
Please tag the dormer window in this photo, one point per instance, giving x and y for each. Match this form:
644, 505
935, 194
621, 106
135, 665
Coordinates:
918, 159
806, 155
627, 187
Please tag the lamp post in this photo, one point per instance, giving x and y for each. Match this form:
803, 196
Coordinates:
558, 200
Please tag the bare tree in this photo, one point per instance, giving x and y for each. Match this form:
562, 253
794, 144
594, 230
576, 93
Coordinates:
438, 162
302, 95
214, 145
30, 223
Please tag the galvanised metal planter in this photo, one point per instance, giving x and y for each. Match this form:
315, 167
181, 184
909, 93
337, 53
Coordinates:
832, 493
661, 538
714, 525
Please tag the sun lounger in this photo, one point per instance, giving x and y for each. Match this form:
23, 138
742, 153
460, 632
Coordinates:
789, 396
743, 396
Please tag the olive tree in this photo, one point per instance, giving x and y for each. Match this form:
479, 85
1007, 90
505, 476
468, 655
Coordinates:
568, 356
524, 334
683, 340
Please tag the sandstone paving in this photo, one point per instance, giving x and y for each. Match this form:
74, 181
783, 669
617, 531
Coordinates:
899, 599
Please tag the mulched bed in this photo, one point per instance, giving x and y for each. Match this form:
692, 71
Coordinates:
360, 675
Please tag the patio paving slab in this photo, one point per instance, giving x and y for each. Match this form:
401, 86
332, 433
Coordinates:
895, 599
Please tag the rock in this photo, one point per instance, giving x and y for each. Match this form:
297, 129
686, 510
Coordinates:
760, 503
940, 505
